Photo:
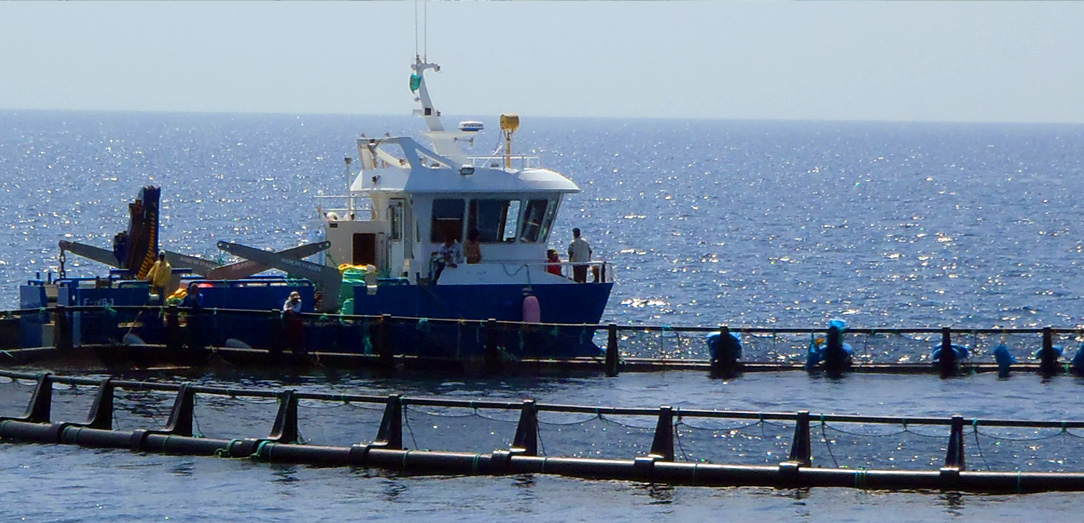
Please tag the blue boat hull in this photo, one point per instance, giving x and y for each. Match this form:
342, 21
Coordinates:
558, 303
427, 322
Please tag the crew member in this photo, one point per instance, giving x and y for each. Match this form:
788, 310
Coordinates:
579, 253
159, 276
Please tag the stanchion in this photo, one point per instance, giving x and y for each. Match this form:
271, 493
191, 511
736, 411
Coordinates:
526, 439
285, 428
948, 362
662, 445
62, 332
800, 452
611, 350
1048, 356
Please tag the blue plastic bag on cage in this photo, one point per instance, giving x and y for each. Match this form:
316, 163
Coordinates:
961, 352
1057, 350
718, 346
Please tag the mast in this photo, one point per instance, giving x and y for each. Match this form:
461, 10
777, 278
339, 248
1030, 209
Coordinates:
443, 141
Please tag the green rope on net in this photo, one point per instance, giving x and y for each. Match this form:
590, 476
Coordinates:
860, 478
423, 325
110, 310
259, 450
225, 452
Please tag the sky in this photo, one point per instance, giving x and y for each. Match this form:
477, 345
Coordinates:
876, 61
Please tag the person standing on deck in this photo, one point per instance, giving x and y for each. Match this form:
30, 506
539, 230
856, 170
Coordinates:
159, 275
293, 323
579, 253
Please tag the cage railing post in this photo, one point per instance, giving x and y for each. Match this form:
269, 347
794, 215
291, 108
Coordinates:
954, 458
285, 427
948, 361
101, 411
40, 406
800, 452
180, 418
526, 439
611, 350
62, 331
1048, 357
390, 435
662, 445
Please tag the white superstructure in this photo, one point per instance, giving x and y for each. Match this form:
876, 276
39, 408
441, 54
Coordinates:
406, 197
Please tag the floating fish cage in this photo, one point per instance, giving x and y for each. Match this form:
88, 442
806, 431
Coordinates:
455, 436
151, 335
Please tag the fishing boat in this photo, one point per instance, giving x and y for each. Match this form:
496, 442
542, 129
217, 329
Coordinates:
391, 245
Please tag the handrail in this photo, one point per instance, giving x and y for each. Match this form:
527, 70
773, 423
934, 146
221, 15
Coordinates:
547, 407
1077, 331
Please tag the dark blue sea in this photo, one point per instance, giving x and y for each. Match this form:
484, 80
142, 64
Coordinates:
749, 224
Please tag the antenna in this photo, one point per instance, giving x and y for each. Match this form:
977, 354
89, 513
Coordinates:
424, 54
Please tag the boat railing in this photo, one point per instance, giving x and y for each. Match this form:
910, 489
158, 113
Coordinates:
597, 271
518, 162
345, 206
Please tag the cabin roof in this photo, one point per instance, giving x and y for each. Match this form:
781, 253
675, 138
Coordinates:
425, 180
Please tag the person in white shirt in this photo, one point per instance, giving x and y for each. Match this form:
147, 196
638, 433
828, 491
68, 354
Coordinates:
293, 303
449, 254
579, 253
293, 323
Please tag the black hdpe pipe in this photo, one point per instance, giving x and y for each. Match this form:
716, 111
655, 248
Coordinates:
645, 468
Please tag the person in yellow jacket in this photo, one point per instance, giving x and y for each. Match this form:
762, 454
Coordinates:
159, 276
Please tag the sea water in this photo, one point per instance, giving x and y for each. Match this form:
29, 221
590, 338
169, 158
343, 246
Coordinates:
760, 224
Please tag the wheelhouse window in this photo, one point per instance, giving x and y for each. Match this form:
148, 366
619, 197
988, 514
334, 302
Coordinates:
511, 221
447, 220
488, 218
547, 221
535, 221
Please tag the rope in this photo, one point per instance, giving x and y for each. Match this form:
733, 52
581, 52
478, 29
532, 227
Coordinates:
626, 425
439, 415
225, 452
406, 421
859, 434
860, 478
724, 429
538, 434
259, 450
588, 420
828, 444
1039, 438
677, 438
978, 445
